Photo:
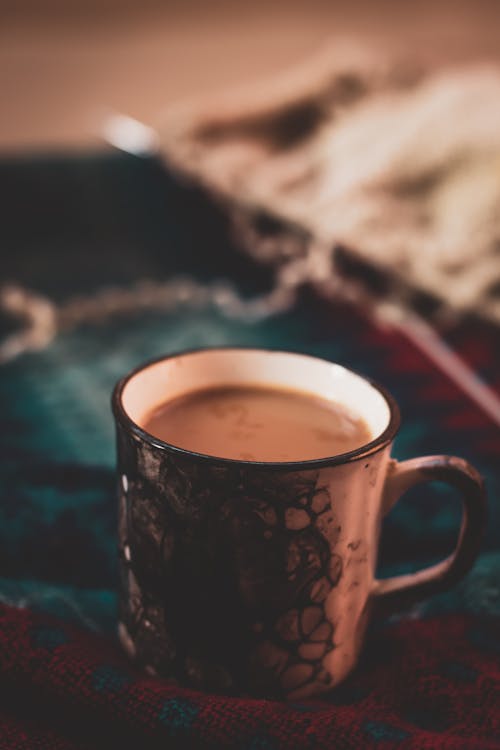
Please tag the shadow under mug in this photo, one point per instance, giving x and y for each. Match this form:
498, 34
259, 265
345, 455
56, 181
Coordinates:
256, 577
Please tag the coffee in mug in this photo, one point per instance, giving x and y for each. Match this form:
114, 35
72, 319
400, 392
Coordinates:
258, 423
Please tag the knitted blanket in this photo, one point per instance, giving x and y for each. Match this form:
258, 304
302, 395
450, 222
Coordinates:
399, 166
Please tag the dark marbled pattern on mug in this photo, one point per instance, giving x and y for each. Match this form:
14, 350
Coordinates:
225, 568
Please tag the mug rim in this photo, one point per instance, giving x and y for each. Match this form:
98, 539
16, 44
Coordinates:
367, 449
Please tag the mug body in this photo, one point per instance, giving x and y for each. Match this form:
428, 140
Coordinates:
245, 576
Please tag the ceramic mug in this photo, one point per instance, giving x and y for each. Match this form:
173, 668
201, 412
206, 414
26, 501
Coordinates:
256, 577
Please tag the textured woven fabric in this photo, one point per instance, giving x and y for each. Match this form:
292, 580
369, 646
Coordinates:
421, 685
428, 678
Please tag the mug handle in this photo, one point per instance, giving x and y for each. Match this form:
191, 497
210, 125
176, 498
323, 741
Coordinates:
400, 591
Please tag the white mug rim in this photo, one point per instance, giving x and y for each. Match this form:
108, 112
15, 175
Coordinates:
378, 443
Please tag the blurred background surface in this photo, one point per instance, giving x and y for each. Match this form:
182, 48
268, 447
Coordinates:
64, 63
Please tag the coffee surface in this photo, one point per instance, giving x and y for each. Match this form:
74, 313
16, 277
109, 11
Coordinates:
258, 423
